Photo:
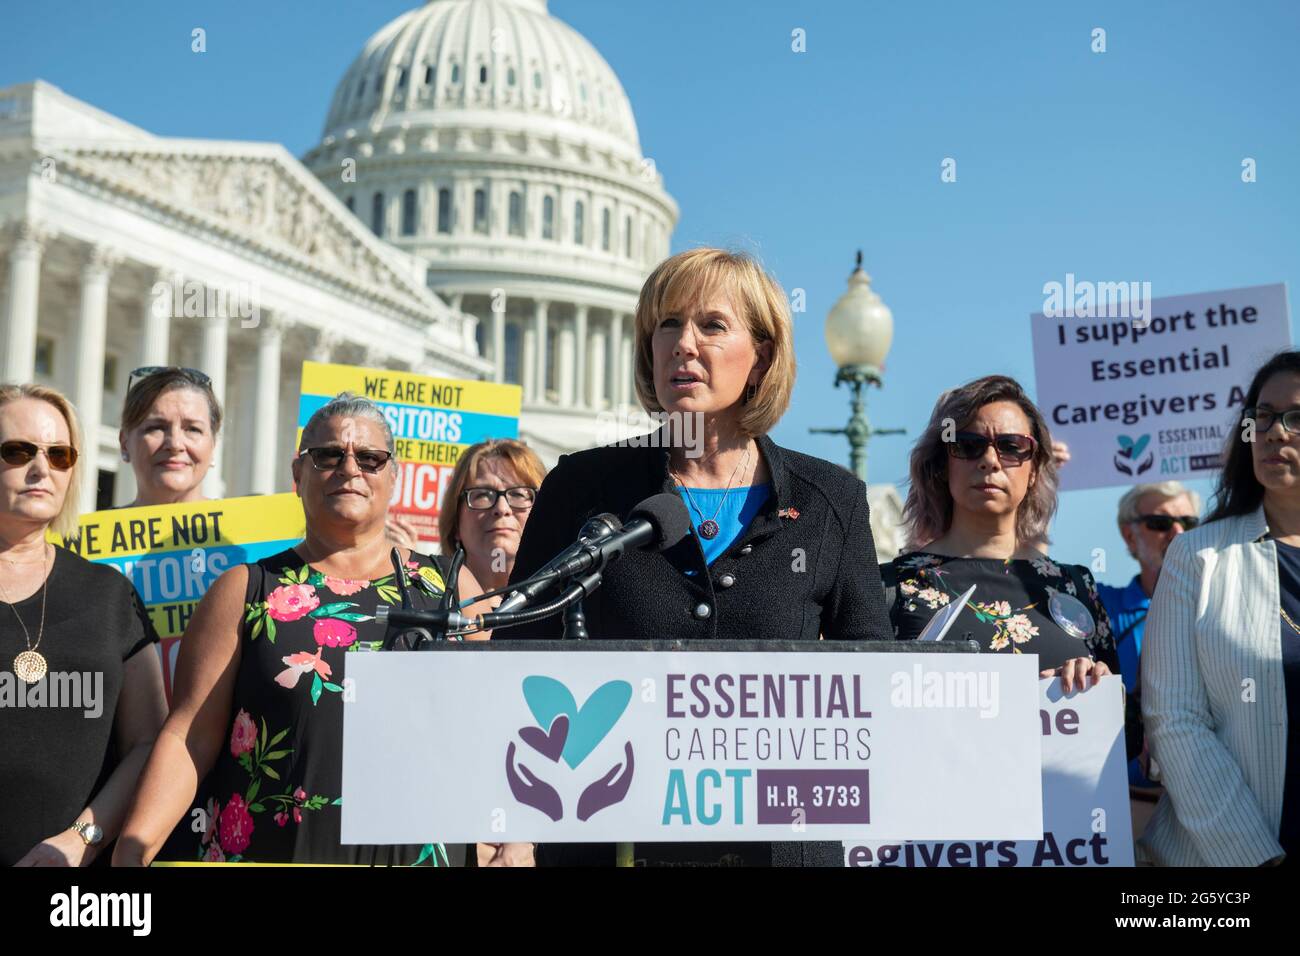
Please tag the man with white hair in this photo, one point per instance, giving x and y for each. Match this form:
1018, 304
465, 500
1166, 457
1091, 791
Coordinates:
1150, 517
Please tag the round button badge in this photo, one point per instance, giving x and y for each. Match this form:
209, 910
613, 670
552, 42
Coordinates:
1071, 614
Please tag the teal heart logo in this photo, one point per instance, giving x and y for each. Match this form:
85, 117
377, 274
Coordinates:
547, 698
1133, 449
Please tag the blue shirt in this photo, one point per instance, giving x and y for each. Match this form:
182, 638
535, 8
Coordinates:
1127, 609
740, 508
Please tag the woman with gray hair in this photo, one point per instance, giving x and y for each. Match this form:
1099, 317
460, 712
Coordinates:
256, 728
983, 489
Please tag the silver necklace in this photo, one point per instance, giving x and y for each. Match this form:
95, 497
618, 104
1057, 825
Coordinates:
708, 528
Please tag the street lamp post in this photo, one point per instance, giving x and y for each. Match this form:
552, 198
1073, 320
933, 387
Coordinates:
859, 331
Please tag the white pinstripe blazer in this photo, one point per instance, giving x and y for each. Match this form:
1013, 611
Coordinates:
1219, 741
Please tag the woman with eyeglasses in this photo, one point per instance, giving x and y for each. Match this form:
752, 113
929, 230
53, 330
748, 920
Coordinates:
82, 684
983, 490
489, 499
253, 748
1221, 656
170, 422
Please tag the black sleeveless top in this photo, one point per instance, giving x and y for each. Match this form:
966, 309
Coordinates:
274, 794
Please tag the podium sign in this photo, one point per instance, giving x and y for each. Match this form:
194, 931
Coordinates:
1086, 818
488, 743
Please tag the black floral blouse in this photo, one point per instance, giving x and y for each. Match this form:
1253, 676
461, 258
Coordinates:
1009, 609
274, 794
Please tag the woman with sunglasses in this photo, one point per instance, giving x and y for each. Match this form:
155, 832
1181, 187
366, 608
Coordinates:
170, 422
983, 490
1221, 657
253, 748
71, 744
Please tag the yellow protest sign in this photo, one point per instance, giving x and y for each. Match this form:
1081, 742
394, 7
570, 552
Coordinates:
173, 553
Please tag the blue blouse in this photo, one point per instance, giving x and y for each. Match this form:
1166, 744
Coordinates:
740, 508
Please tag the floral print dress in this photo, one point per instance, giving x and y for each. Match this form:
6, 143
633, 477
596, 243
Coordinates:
274, 794
1008, 611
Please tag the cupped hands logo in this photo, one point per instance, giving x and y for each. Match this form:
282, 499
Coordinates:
569, 733
1129, 456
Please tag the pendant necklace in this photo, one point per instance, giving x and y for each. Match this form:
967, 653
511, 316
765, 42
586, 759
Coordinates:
29, 665
708, 528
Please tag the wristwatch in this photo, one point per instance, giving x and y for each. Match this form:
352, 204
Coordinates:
89, 832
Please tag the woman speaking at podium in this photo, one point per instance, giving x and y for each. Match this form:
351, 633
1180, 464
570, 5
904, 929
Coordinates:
782, 545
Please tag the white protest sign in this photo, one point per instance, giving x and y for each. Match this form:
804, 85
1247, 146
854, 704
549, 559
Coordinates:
1147, 390
467, 744
1085, 795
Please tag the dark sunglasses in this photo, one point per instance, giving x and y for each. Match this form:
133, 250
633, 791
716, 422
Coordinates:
1165, 522
200, 379
329, 457
1013, 448
1264, 418
481, 499
61, 457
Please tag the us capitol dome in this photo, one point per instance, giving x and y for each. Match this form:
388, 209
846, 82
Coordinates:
491, 140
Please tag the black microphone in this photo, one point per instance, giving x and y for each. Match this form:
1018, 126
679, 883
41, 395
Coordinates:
601, 526
656, 524
413, 618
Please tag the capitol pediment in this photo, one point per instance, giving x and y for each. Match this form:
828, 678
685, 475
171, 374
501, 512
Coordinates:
259, 195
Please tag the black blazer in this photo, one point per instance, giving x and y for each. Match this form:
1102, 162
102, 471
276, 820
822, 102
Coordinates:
806, 565
811, 572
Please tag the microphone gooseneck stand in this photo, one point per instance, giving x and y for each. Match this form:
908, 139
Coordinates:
410, 629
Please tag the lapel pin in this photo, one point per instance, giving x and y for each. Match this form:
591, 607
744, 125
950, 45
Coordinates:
791, 513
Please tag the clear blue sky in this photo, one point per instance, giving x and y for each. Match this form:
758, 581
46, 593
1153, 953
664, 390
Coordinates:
1115, 166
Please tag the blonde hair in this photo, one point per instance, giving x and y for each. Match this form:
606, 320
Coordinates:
521, 459
65, 522
686, 278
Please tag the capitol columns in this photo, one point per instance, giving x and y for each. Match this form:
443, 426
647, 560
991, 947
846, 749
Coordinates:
498, 306
566, 359
266, 405
20, 316
627, 346
540, 310
581, 357
90, 336
212, 361
621, 349
327, 341
596, 382
628, 389
160, 306
528, 363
